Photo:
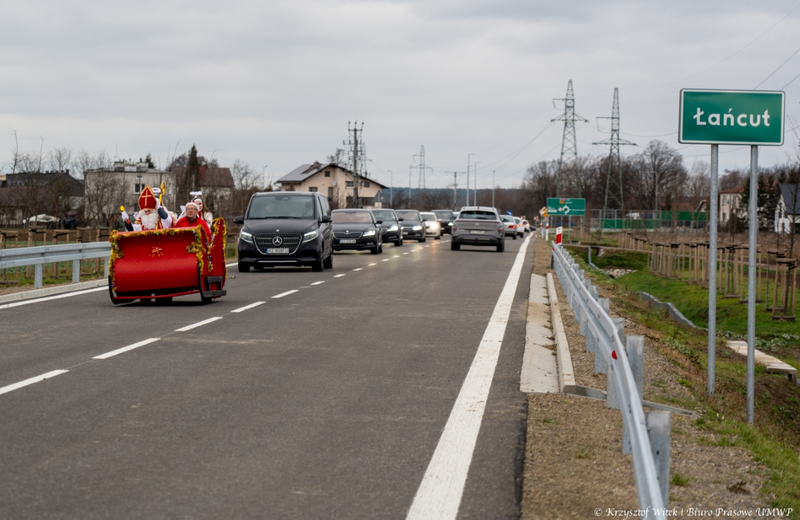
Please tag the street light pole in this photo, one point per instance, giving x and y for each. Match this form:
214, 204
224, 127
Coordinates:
492, 188
475, 186
391, 189
468, 156
264, 175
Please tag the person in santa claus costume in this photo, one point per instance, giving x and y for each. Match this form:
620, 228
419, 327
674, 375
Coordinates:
193, 218
152, 214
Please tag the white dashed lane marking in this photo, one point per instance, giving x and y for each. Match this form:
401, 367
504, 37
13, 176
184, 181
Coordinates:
287, 293
246, 307
129, 347
37, 379
199, 324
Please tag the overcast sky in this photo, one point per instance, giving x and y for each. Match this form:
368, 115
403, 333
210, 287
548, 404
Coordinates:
274, 83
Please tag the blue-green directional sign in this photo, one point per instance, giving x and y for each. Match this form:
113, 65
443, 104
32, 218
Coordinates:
566, 207
753, 117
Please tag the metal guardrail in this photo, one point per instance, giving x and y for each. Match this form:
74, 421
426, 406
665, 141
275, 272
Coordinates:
40, 255
583, 298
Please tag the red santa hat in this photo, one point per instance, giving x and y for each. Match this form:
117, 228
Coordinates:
147, 199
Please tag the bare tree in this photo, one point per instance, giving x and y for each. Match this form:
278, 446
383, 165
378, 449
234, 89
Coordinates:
245, 184
59, 159
659, 171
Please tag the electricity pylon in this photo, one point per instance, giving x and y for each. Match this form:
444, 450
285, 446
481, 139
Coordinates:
614, 195
569, 145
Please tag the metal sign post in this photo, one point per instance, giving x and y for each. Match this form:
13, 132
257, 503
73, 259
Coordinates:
732, 117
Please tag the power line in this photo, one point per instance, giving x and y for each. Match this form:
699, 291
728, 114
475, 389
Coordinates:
779, 68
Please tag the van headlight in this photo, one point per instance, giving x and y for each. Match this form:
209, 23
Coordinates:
369, 233
311, 235
247, 237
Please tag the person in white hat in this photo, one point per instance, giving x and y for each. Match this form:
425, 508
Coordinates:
192, 218
207, 216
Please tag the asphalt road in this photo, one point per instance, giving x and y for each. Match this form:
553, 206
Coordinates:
327, 402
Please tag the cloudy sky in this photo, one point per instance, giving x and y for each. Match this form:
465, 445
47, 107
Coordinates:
275, 82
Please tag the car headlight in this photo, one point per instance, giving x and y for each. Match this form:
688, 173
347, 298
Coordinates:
311, 235
393, 228
369, 233
449, 223
247, 237
417, 228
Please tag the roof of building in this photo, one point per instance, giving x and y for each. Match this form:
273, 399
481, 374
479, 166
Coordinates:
306, 171
791, 194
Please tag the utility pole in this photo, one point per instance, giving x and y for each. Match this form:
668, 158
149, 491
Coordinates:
614, 191
468, 156
569, 144
455, 188
356, 158
493, 188
391, 189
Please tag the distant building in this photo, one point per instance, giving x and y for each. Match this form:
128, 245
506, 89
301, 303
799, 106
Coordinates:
729, 203
336, 182
107, 189
23, 195
788, 209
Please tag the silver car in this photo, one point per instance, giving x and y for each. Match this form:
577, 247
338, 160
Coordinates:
510, 226
478, 226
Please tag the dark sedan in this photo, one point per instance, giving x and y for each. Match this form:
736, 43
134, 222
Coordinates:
356, 229
413, 227
391, 230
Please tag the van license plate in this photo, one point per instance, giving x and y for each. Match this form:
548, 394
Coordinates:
277, 250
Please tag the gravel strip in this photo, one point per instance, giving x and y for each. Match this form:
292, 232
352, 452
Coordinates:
574, 462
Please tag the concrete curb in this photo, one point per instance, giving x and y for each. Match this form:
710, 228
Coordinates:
539, 372
566, 376
49, 291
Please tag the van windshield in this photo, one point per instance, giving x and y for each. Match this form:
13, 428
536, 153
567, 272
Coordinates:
281, 206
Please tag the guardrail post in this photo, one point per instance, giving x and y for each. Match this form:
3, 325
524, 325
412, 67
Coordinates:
594, 290
105, 266
658, 429
612, 398
37, 276
634, 348
76, 271
600, 365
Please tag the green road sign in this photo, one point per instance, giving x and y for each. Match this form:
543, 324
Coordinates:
566, 207
753, 117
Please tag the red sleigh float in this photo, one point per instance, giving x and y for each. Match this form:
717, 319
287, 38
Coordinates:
164, 263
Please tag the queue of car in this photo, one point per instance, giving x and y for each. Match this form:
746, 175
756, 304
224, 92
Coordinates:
296, 229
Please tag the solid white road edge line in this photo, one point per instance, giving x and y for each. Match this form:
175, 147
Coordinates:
125, 349
56, 297
198, 324
287, 293
37, 379
246, 307
439, 493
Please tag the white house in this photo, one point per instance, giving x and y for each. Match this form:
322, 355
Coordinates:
788, 209
334, 181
